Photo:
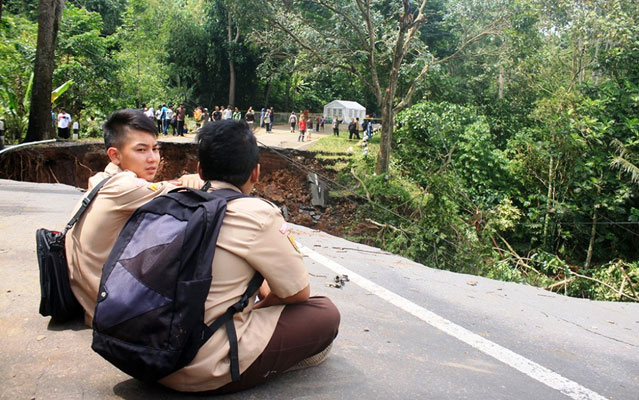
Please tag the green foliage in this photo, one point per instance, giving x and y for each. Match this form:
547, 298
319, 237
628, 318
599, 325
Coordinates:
425, 225
109, 10
438, 137
17, 50
142, 40
520, 161
83, 56
606, 281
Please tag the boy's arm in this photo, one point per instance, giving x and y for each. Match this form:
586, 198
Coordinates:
272, 300
274, 253
189, 180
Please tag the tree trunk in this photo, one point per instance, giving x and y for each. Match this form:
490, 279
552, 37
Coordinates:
593, 231
501, 82
549, 203
231, 83
593, 234
287, 99
139, 95
40, 125
229, 29
386, 140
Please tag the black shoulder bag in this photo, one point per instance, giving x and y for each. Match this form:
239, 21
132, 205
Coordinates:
57, 299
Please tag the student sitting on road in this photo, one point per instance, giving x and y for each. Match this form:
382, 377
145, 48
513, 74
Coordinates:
130, 138
286, 329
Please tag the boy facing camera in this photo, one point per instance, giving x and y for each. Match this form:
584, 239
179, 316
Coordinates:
130, 138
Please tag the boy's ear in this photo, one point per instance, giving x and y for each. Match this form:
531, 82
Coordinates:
255, 174
199, 170
114, 155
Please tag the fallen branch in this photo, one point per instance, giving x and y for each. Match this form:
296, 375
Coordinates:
625, 274
496, 247
386, 226
519, 259
623, 284
614, 289
557, 284
361, 182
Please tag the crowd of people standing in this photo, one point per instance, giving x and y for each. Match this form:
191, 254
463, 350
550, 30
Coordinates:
167, 117
305, 124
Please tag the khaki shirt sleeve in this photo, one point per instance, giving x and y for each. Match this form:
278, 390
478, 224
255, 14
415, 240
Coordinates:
128, 192
274, 255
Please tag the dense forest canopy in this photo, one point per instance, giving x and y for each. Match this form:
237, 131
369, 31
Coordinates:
513, 125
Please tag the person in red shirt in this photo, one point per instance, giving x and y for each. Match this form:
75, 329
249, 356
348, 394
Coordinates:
300, 138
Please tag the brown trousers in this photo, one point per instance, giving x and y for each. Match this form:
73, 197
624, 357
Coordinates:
303, 330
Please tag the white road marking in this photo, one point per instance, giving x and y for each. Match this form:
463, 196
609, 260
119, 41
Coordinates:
532, 369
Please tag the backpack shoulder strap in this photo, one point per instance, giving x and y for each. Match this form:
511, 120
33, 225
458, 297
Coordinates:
200, 195
227, 320
85, 204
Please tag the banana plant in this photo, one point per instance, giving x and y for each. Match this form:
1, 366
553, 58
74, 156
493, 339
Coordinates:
59, 91
18, 114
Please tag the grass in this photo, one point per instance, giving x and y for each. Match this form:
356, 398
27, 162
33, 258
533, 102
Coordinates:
343, 150
341, 146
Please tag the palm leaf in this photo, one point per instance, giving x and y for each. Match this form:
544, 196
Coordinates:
626, 167
59, 91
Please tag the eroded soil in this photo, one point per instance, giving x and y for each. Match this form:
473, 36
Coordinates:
283, 182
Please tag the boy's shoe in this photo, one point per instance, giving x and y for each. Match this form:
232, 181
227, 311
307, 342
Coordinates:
312, 361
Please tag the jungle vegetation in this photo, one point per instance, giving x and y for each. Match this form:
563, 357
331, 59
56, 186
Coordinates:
509, 144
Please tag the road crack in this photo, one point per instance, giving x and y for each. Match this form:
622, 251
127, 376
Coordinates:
598, 333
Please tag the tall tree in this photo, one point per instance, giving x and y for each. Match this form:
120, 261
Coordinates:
237, 20
49, 14
142, 40
379, 42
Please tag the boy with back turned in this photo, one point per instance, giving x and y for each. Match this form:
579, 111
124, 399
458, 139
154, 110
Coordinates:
286, 329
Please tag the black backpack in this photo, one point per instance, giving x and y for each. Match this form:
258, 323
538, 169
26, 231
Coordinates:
149, 318
57, 299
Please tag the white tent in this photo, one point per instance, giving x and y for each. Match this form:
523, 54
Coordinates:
344, 110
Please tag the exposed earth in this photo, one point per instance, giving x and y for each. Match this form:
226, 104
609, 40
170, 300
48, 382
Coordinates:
283, 181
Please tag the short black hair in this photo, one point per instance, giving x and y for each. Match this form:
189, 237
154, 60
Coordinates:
228, 151
117, 127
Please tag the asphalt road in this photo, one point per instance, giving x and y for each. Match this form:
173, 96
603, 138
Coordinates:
408, 331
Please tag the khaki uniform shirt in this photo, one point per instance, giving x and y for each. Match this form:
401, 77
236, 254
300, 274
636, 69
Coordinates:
253, 237
90, 241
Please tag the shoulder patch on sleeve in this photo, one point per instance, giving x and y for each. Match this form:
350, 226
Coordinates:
292, 240
154, 187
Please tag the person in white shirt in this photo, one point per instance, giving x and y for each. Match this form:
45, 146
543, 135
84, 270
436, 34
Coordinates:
64, 120
158, 118
169, 120
228, 113
149, 112
76, 130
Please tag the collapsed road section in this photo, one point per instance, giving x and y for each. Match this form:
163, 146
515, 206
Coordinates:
291, 179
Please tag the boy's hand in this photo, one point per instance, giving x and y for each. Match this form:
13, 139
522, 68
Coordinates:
190, 180
263, 291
